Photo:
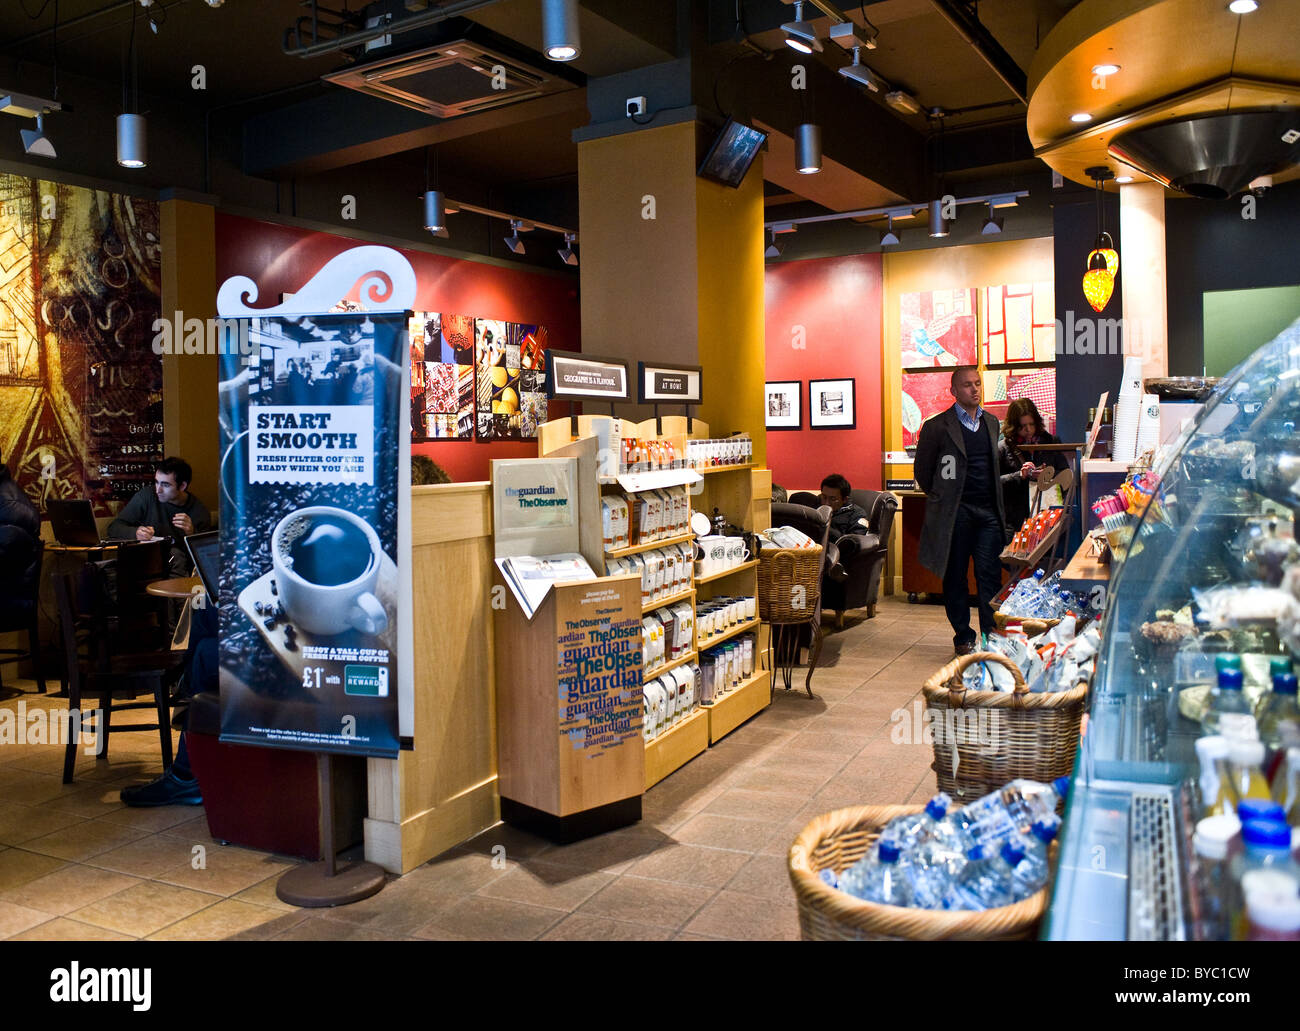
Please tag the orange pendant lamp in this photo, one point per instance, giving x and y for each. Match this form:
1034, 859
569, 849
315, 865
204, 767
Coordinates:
1103, 259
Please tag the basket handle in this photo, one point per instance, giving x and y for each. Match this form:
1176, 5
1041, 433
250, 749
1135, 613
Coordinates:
956, 688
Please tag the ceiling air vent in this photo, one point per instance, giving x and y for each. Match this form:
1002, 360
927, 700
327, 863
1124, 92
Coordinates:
450, 79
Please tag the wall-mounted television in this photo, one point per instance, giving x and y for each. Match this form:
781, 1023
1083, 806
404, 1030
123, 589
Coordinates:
732, 153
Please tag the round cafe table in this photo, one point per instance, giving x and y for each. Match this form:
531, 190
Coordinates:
182, 587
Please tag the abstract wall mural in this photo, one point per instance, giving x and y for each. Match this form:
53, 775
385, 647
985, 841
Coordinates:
80, 386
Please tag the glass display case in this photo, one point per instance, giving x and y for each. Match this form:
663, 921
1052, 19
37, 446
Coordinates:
1212, 569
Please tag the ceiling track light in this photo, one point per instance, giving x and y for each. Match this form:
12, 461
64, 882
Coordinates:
800, 35
901, 101
993, 224
517, 226
775, 245
808, 148
36, 142
860, 73
435, 211
567, 254
889, 238
938, 224
560, 38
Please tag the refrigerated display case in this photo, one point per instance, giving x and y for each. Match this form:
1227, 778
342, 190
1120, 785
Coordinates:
1212, 568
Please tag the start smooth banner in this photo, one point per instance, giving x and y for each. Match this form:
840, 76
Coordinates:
309, 516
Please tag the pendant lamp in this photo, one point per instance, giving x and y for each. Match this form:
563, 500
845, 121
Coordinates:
1103, 259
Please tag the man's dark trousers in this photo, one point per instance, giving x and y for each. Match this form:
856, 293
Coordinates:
977, 533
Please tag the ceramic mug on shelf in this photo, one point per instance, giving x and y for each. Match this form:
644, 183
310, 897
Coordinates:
737, 553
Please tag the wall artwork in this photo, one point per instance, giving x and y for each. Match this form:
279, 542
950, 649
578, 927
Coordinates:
1019, 324
925, 394
831, 404
781, 402
442, 377
511, 379
937, 328
80, 383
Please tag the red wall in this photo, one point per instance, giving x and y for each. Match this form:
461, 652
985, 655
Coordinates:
838, 303
280, 259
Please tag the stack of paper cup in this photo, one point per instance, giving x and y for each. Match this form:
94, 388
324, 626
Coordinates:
1128, 409
1148, 435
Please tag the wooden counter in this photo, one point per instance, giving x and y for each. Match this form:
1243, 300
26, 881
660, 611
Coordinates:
445, 791
1083, 572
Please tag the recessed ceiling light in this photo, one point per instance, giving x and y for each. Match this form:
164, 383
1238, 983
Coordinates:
1243, 6
1081, 116
1105, 69
1123, 178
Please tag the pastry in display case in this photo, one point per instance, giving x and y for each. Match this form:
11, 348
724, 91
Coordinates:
1192, 709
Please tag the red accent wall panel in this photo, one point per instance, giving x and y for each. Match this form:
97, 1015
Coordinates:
280, 259
823, 321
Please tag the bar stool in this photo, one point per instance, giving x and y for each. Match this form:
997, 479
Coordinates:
20, 609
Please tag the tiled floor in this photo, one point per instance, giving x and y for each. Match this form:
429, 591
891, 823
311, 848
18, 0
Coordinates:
706, 861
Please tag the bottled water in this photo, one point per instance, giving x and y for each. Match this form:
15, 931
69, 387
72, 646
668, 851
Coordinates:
1024, 595
933, 844
908, 830
1226, 700
1012, 810
1030, 873
884, 881
984, 882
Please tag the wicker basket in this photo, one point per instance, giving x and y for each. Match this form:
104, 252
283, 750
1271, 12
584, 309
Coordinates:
780, 571
999, 736
838, 840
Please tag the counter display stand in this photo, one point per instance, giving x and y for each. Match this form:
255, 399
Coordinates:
743, 494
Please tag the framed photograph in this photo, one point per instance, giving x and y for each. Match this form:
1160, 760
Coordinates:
781, 404
830, 404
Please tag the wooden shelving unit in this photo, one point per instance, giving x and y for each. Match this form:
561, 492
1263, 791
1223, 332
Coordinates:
668, 667
672, 599
744, 566
675, 747
717, 639
739, 704
637, 549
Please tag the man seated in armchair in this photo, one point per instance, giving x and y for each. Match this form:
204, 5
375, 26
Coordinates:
847, 522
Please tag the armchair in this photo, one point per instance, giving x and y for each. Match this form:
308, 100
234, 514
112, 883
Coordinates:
861, 587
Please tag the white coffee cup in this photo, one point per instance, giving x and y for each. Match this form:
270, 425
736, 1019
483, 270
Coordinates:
737, 553
321, 608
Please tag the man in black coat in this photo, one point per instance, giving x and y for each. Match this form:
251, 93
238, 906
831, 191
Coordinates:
20, 528
957, 466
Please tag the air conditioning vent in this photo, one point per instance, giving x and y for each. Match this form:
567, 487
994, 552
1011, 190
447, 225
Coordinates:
450, 79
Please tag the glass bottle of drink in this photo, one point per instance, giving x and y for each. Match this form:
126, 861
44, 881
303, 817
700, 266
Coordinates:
1211, 842
1272, 906
1229, 711
1266, 845
1286, 786
1278, 716
1247, 760
1209, 751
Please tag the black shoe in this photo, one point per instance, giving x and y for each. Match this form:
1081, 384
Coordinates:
965, 648
168, 789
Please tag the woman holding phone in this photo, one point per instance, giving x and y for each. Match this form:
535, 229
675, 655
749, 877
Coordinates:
1023, 425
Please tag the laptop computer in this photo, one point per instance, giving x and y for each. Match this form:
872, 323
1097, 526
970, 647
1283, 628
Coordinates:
205, 550
73, 523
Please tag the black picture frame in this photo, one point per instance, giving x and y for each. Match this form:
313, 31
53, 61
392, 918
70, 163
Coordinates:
553, 393
846, 418
649, 367
793, 421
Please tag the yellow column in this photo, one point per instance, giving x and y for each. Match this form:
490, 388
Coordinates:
1143, 276
190, 380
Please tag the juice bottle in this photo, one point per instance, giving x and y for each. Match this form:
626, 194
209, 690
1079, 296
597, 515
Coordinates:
1247, 759
1286, 786
1211, 751
1277, 716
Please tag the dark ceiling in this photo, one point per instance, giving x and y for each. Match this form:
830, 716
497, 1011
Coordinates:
256, 91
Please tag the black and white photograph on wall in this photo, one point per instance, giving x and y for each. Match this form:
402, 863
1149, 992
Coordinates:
830, 404
781, 404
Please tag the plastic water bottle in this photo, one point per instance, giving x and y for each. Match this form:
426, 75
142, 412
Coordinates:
1030, 874
984, 882
1012, 810
933, 843
1227, 700
884, 881
1024, 595
1278, 716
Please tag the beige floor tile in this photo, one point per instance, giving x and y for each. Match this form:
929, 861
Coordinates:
756, 805
613, 852
68, 889
30, 788
91, 799
147, 856
742, 917
580, 927
787, 781
153, 820
459, 873
263, 894
658, 903
226, 870
20, 823
15, 919
690, 864
484, 919
518, 844
63, 929
767, 877
224, 920
553, 885
84, 840
320, 928
280, 924
726, 832
18, 867
144, 908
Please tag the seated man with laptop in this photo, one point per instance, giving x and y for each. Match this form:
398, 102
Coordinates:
167, 509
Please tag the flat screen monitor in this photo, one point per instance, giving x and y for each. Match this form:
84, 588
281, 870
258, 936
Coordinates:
732, 153
205, 550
